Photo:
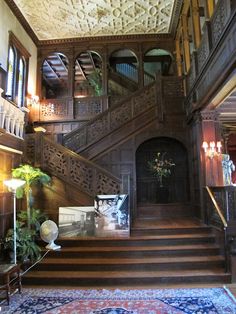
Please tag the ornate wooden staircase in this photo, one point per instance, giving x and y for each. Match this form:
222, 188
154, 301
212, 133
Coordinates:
157, 252
180, 252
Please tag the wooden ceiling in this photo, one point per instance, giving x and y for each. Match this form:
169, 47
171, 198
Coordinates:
61, 19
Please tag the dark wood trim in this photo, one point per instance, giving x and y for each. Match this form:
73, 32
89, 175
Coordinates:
106, 39
3, 77
11, 141
13, 7
16, 43
175, 17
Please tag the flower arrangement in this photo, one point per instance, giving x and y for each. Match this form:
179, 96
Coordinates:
161, 167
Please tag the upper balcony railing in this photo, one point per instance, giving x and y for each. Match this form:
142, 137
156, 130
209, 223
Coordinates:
213, 31
11, 117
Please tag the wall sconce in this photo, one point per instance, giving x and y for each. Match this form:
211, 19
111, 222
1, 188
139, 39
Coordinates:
212, 149
32, 100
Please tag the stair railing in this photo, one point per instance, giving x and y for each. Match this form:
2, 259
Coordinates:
223, 221
113, 118
70, 167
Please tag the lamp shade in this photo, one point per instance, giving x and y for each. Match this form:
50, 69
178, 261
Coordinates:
13, 184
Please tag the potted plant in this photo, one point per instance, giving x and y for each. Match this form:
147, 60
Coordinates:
26, 247
95, 81
29, 221
31, 176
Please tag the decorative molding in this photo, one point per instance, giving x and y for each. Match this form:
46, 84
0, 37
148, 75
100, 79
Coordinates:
15, 41
208, 115
108, 39
14, 8
175, 17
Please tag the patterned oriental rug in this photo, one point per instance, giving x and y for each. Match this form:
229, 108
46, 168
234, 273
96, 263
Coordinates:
145, 301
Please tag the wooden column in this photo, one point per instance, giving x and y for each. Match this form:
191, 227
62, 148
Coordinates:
105, 69
184, 20
209, 5
196, 23
210, 132
140, 57
71, 74
178, 57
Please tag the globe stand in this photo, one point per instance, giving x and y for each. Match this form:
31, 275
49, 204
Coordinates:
52, 246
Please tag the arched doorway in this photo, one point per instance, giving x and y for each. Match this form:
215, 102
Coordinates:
175, 187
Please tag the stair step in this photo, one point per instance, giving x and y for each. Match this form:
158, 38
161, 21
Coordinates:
143, 231
140, 240
150, 260
136, 251
92, 278
145, 263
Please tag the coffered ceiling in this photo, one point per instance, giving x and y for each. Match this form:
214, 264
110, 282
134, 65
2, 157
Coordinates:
60, 19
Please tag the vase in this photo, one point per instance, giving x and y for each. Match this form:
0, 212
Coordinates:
162, 195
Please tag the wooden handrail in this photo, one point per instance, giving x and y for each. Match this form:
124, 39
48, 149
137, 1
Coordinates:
218, 210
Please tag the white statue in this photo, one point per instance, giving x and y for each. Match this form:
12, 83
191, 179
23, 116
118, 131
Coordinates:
228, 168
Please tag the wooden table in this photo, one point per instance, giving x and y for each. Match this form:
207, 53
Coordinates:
9, 274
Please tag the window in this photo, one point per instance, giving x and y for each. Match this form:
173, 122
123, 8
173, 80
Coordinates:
21, 80
18, 59
10, 72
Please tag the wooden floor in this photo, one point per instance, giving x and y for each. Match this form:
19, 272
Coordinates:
232, 288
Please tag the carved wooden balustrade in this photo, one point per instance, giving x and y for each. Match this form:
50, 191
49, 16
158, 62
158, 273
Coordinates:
115, 117
212, 33
61, 109
11, 117
219, 19
205, 46
70, 167
88, 107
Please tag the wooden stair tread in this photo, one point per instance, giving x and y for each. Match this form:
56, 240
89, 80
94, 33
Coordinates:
143, 237
126, 274
146, 260
137, 248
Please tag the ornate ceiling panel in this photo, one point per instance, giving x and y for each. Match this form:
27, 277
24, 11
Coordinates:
60, 19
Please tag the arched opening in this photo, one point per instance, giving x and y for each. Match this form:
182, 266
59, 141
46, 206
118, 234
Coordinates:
55, 76
175, 187
123, 75
88, 75
156, 61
